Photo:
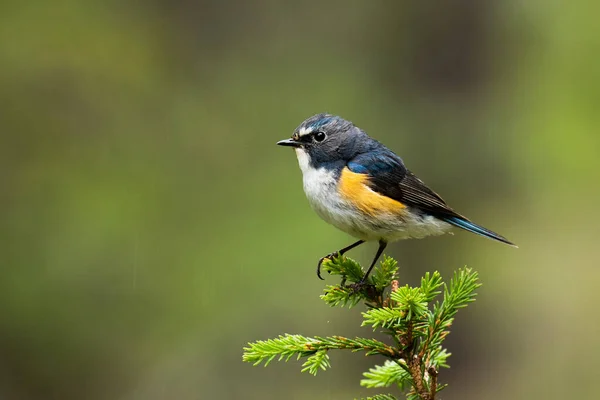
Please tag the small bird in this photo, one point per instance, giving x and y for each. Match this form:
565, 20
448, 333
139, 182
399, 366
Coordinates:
361, 187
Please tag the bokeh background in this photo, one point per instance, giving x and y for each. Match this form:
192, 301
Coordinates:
150, 227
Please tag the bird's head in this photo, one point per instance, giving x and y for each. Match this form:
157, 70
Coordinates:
325, 139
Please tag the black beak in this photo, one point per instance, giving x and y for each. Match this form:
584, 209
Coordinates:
289, 143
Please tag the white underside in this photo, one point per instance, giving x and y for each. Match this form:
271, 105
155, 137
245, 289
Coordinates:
320, 187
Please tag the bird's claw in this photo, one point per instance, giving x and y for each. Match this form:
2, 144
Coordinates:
366, 287
328, 256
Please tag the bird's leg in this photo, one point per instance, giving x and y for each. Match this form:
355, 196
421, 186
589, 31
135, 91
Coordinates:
382, 246
368, 289
336, 254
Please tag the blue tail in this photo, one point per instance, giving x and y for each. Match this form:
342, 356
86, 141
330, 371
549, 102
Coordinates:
480, 230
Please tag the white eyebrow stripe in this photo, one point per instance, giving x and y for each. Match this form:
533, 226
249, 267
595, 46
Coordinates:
304, 131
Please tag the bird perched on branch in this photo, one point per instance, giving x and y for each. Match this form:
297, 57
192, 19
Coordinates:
363, 188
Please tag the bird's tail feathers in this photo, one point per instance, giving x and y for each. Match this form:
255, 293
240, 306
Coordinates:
474, 228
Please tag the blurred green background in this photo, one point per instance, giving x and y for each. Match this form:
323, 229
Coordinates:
150, 227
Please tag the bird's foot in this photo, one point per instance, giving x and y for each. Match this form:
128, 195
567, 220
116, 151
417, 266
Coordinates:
368, 289
329, 256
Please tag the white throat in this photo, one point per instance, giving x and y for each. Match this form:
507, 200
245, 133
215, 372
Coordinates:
303, 160
320, 186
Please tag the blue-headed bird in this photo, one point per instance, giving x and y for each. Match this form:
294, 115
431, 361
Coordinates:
361, 187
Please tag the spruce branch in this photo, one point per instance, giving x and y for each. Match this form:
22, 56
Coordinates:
384, 275
287, 346
345, 267
413, 317
351, 271
319, 360
430, 284
335, 295
386, 375
380, 397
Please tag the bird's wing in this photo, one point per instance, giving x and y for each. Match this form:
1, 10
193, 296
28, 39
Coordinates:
389, 177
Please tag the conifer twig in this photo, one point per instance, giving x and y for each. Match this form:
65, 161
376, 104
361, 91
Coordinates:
414, 319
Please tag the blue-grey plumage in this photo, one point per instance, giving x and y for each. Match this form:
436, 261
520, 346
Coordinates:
363, 188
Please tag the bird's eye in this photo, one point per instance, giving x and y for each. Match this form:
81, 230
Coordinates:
320, 136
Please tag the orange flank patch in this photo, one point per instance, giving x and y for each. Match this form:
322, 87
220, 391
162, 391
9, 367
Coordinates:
353, 187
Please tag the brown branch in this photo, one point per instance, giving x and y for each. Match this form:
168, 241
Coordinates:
414, 363
414, 367
433, 385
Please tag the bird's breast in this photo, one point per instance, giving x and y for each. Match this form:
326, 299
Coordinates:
321, 188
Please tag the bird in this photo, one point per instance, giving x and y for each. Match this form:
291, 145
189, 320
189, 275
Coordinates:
363, 188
